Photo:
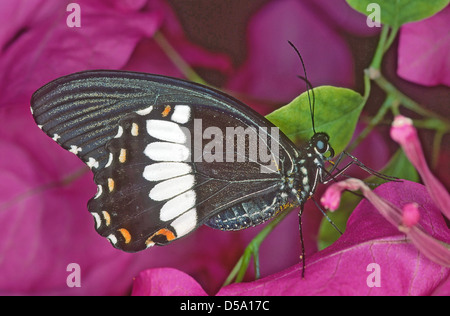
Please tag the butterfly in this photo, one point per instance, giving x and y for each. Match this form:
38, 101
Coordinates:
169, 155
156, 181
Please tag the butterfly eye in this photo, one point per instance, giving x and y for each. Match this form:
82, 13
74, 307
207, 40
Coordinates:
321, 146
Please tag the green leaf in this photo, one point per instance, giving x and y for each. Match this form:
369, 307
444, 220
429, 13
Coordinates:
336, 113
398, 12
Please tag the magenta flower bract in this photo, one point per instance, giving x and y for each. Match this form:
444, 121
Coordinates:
271, 68
423, 48
146, 283
42, 47
343, 268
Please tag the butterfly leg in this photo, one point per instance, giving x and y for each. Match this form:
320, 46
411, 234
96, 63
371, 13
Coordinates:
301, 240
336, 163
326, 216
354, 161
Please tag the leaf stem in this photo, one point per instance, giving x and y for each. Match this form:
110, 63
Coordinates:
380, 50
436, 148
66, 180
176, 59
405, 100
367, 88
391, 38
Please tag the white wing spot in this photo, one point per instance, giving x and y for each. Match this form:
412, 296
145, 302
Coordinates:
181, 114
168, 189
185, 223
110, 160
99, 191
177, 206
145, 111
161, 151
119, 132
112, 239
165, 130
165, 170
75, 149
98, 220
92, 163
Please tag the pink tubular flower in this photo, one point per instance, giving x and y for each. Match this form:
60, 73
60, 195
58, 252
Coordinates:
403, 132
405, 220
411, 215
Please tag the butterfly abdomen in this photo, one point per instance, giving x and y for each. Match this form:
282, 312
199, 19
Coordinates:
247, 214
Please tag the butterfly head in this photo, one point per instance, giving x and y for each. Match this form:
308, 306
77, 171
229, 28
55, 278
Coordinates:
319, 143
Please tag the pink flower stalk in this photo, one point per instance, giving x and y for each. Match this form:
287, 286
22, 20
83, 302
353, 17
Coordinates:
403, 132
405, 220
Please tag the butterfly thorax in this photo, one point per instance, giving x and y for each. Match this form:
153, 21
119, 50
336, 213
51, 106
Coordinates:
309, 167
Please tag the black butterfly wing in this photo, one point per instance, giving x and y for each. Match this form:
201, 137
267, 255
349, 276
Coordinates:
137, 133
81, 111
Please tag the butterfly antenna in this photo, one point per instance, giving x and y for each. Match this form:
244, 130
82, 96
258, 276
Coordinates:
308, 87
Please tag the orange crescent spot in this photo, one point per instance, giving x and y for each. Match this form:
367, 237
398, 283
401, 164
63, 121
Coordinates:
123, 155
110, 184
126, 235
164, 232
166, 111
107, 218
134, 129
